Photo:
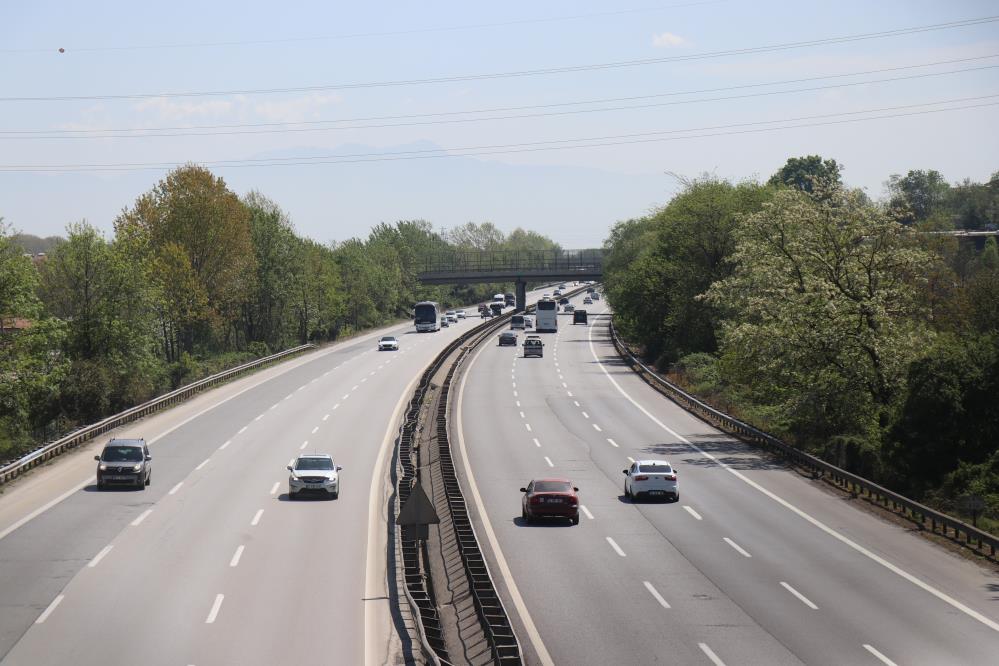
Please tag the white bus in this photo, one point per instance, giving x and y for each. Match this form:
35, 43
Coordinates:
427, 316
546, 319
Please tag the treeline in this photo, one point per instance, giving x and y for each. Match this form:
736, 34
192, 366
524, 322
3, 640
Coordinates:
195, 279
825, 318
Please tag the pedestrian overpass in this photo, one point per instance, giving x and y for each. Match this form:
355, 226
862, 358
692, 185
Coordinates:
519, 267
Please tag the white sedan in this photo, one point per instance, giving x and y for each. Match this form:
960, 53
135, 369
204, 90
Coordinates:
388, 343
651, 479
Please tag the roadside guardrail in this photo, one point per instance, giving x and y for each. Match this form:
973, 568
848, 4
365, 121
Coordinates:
925, 517
77, 437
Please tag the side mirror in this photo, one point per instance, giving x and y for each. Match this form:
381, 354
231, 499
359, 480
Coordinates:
523, 490
289, 468
338, 468
149, 457
575, 489
624, 471
97, 458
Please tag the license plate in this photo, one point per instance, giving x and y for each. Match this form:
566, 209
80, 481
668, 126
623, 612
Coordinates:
120, 478
313, 485
657, 492
553, 500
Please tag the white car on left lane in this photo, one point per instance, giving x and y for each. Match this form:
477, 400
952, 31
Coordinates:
388, 343
316, 473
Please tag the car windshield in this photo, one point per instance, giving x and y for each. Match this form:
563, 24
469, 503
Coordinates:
388, 338
655, 468
122, 454
552, 486
314, 463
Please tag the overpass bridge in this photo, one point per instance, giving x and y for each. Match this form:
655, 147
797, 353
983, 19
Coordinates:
519, 267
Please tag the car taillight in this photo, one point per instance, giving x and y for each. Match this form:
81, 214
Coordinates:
535, 499
573, 500
671, 477
641, 478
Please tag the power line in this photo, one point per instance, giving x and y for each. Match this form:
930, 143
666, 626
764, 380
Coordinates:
890, 112
321, 125
359, 35
525, 73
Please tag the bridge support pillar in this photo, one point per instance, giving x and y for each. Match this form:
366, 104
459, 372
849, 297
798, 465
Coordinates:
521, 295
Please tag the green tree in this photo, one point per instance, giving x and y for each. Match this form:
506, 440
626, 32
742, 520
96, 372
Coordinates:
918, 195
822, 314
810, 174
277, 251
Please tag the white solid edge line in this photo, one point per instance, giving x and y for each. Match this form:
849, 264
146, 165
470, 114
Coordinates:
872, 650
375, 583
203, 463
655, 593
549, 461
173, 491
970, 612
504, 569
213, 613
586, 511
241, 430
48, 609
235, 557
739, 549
274, 488
617, 548
227, 443
710, 654
692, 512
100, 556
802, 598
142, 516
256, 517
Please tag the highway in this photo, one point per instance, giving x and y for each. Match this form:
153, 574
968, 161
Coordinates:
753, 565
211, 564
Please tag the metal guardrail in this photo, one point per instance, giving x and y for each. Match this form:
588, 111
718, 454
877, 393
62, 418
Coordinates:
489, 607
74, 439
927, 518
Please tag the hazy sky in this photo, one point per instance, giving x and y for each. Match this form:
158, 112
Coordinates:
354, 134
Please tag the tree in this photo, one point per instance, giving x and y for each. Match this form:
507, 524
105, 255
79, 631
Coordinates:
472, 236
277, 252
810, 174
821, 313
918, 195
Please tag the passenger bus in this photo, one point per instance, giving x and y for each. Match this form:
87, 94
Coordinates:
546, 317
427, 316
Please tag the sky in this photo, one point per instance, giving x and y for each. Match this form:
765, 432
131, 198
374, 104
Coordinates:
560, 117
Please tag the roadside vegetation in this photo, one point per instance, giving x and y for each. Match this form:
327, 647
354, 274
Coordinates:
821, 316
195, 279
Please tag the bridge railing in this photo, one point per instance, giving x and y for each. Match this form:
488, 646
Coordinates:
514, 260
923, 516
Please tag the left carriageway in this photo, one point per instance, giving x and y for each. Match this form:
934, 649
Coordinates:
211, 564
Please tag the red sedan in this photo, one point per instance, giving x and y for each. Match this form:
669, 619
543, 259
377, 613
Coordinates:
550, 498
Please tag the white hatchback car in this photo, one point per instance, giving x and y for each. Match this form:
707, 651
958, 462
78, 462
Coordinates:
461, 314
316, 473
651, 479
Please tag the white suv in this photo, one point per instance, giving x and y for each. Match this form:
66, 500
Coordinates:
315, 473
651, 479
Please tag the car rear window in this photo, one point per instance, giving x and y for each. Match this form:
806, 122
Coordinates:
552, 487
655, 469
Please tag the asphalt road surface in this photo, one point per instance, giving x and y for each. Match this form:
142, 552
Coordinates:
212, 564
753, 565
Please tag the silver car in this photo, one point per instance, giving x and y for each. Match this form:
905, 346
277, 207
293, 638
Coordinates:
315, 474
388, 343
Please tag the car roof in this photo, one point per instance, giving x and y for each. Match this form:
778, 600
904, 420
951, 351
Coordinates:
324, 456
557, 479
126, 442
509, 334
654, 462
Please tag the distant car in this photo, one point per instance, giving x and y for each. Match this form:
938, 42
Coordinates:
595, 295
557, 292
316, 473
561, 286
508, 338
533, 347
546, 295
550, 498
579, 317
528, 322
452, 316
563, 301
517, 321
651, 479
569, 307
445, 322
587, 301
461, 314
388, 343
124, 461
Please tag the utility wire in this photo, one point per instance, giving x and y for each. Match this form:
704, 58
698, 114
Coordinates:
525, 73
889, 112
323, 125
358, 35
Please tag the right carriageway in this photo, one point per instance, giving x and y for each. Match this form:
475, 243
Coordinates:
754, 564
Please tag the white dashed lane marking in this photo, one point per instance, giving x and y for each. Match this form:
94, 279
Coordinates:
256, 517
739, 549
692, 512
586, 512
173, 491
51, 607
549, 461
214, 612
884, 659
142, 516
710, 654
802, 598
617, 548
274, 488
99, 556
537, 443
655, 594
235, 557
612, 442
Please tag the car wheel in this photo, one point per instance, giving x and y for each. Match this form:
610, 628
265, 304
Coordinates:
575, 520
141, 484
292, 495
149, 479
100, 485
627, 493
336, 495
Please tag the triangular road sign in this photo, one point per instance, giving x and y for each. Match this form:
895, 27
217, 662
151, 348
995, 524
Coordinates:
417, 510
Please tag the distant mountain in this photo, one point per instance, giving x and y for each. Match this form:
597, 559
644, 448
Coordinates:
34, 244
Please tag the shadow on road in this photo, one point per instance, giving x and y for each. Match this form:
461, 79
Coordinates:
315, 497
542, 522
92, 488
736, 455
